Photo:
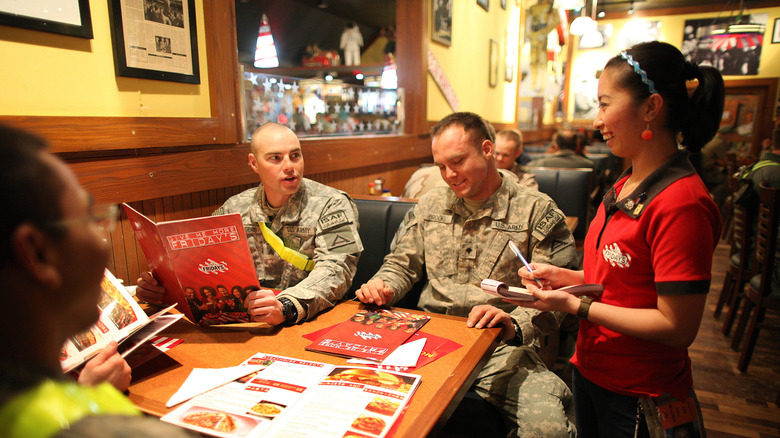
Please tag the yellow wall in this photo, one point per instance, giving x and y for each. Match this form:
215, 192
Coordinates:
586, 62
57, 75
465, 62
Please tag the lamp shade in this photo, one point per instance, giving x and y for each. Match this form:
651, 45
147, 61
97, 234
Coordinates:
582, 25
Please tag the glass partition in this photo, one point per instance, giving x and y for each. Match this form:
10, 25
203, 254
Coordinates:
318, 107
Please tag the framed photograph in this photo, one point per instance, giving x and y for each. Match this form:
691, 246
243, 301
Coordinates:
66, 17
442, 22
510, 58
776, 32
158, 42
493, 64
485, 4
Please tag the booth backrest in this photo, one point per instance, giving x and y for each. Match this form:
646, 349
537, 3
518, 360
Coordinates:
570, 189
379, 220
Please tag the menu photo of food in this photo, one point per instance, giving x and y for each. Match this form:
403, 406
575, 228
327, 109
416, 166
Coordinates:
218, 421
372, 377
353, 434
370, 424
383, 405
267, 409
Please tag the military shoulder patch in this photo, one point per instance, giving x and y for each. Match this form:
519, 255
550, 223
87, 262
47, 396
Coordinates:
333, 219
549, 221
339, 241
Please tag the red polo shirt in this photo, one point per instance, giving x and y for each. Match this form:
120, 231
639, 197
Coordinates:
657, 241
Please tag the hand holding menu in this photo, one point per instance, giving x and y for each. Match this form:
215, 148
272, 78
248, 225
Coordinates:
121, 319
501, 289
204, 264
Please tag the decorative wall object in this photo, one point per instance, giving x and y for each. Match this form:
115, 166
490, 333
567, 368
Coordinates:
67, 17
155, 39
510, 61
434, 68
493, 63
711, 41
776, 32
485, 4
442, 22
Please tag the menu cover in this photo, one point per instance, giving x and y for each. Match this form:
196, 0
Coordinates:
120, 318
293, 397
501, 289
204, 264
370, 334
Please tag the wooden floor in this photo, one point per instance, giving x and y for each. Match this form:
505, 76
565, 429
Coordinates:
735, 404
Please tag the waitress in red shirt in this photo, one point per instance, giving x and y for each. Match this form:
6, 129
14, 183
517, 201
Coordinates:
650, 244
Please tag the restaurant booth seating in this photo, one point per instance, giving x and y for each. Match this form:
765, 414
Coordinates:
572, 191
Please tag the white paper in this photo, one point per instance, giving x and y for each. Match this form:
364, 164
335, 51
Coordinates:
202, 380
406, 355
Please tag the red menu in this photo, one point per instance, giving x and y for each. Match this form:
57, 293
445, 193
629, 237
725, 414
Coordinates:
203, 263
370, 334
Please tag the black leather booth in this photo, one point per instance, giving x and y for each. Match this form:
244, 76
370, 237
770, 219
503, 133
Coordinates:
571, 190
379, 220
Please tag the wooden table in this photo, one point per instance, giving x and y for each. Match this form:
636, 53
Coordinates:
444, 381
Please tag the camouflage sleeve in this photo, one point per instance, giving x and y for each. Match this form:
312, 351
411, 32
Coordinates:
551, 240
338, 248
404, 265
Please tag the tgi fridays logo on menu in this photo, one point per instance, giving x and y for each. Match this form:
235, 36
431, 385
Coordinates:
366, 336
214, 236
212, 267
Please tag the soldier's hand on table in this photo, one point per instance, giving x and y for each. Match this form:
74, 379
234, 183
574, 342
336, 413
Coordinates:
107, 366
149, 289
263, 306
374, 291
486, 315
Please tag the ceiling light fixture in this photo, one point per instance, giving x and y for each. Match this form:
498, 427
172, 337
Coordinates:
584, 24
632, 9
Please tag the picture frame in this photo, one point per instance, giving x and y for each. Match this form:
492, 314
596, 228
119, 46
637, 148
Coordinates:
510, 57
442, 22
161, 45
484, 4
65, 17
493, 64
776, 32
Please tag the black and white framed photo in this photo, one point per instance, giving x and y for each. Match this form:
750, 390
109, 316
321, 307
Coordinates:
159, 40
442, 22
776, 32
66, 17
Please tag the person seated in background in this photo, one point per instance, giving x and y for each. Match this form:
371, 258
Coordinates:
508, 147
459, 235
317, 221
564, 153
53, 254
713, 168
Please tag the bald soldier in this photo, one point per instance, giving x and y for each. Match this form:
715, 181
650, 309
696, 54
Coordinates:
459, 235
316, 221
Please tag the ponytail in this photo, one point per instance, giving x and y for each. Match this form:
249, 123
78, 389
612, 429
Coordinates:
705, 107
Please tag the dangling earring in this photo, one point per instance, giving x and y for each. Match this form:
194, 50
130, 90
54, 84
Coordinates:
647, 134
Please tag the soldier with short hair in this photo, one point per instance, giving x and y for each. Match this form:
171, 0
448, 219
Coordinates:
459, 235
287, 211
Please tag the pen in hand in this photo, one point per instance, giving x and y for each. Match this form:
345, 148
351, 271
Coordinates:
525, 262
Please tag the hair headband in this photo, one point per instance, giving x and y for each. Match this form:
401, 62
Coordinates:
639, 71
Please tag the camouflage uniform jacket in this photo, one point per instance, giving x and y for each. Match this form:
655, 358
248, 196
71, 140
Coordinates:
458, 250
318, 221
